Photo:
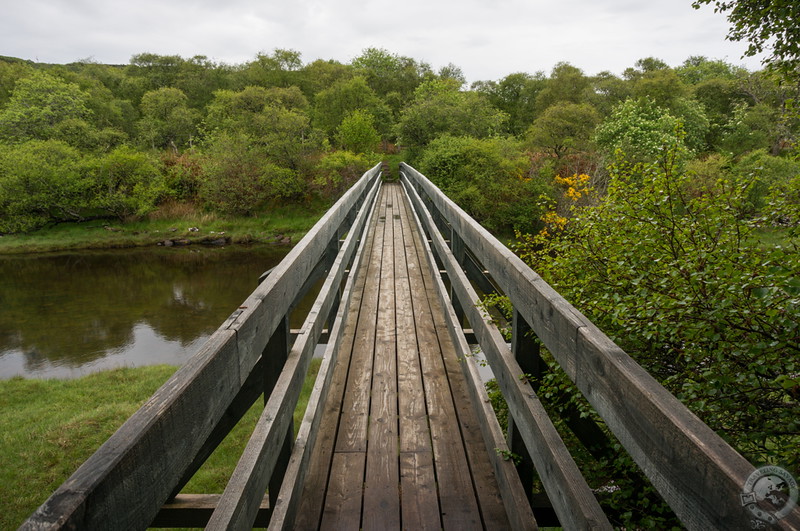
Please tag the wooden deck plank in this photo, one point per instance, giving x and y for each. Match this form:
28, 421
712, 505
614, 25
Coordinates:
457, 499
313, 499
407, 457
381, 486
487, 491
352, 435
419, 496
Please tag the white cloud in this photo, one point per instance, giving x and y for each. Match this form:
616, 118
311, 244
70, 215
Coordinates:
488, 40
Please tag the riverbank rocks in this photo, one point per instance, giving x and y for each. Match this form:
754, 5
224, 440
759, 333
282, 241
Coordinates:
218, 241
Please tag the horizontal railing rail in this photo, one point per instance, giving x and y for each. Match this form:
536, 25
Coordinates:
696, 472
125, 483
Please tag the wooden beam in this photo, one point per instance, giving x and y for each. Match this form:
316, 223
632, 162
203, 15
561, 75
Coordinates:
287, 501
511, 490
695, 471
125, 483
572, 498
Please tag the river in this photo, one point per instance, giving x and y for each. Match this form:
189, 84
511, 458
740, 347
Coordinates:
68, 314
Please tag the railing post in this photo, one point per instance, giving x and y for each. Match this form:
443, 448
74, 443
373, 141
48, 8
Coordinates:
525, 349
457, 247
275, 354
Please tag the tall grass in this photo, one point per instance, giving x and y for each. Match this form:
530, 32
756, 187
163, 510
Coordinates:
50, 427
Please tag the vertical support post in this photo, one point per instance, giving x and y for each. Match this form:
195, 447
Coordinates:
275, 354
525, 348
330, 257
457, 247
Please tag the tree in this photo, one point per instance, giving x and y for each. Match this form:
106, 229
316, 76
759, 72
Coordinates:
167, 119
566, 83
563, 128
680, 282
319, 75
127, 183
644, 131
439, 108
280, 69
764, 25
357, 133
39, 103
515, 95
333, 104
488, 178
41, 181
238, 177
387, 73
273, 118
663, 86
697, 69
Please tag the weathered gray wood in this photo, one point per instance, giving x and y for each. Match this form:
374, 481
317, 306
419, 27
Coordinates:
313, 499
572, 499
247, 396
498, 490
257, 465
125, 483
381, 486
696, 472
510, 488
275, 354
419, 500
285, 505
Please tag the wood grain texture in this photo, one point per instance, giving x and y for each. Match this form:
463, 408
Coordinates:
696, 472
125, 483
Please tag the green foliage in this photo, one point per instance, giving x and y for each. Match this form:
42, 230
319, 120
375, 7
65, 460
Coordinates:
748, 129
515, 95
392, 76
357, 133
127, 183
564, 128
167, 119
680, 283
239, 178
333, 104
339, 170
567, 83
440, 108
40, 182
765, 26
644, 130
761, 175
487, 178
38, 104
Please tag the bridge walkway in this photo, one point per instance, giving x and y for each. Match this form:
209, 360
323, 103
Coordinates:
399, 445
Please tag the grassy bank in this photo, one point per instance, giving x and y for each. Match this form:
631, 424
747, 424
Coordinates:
284, 224
49, 427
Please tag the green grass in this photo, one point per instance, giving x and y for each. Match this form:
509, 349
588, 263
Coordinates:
291, 221
49, 427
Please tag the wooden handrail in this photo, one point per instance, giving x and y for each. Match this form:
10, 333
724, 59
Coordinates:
699, 475
128, 479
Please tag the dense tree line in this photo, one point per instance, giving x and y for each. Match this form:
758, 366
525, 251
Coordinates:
121, 140
647, 199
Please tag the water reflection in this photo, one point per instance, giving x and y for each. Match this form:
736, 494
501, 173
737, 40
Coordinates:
69, 314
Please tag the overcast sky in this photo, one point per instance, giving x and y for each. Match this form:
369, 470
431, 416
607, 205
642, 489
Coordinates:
488, 39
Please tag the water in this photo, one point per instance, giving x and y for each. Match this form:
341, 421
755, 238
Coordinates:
66, 315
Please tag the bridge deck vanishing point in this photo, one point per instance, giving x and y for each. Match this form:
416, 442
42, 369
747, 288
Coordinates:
399, 431
399, 445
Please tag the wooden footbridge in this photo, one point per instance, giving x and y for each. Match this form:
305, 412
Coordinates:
398, 432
